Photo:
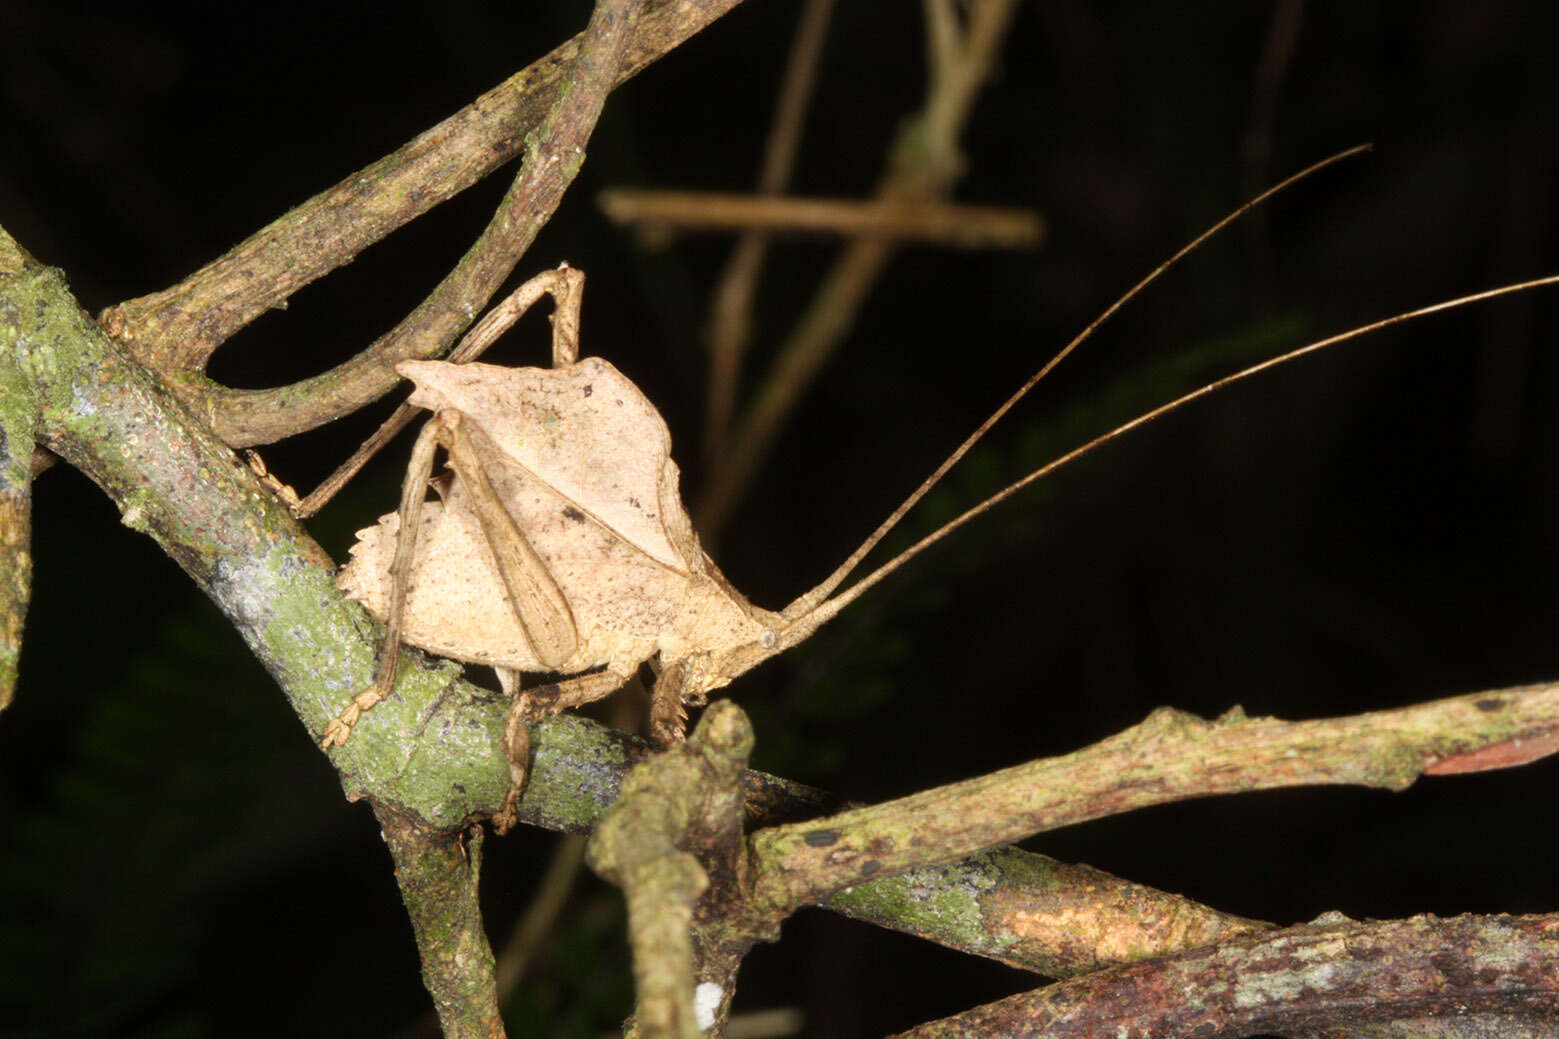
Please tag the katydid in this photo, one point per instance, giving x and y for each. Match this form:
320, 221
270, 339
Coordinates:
560, 544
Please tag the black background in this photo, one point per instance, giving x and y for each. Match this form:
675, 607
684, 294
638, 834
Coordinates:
1365, 530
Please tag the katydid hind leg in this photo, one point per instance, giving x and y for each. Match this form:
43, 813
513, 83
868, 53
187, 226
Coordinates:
539, 605
567, 288
413, 492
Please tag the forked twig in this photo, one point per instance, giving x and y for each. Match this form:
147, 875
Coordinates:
553, 157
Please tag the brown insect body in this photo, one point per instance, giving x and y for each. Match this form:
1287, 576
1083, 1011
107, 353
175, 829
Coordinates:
581, 461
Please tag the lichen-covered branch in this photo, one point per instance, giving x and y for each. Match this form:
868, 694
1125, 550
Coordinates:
437, 874
176, 329
1171, 756
674, 835
1032, 912
18, 424
1322, 976
1024, 909
434, 751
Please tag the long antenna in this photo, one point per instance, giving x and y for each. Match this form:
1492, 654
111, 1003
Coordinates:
805, 625
810, 601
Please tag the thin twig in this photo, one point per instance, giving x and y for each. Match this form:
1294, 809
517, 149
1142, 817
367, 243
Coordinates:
1272, 70
952, 226
546, 904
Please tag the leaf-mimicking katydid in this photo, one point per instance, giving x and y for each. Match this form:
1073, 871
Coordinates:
559, 543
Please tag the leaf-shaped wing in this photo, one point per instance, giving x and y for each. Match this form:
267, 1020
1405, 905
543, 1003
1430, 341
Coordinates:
580, 460
586, 431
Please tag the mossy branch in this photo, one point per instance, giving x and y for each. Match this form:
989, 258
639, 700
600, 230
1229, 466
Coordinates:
425, 759
18, 426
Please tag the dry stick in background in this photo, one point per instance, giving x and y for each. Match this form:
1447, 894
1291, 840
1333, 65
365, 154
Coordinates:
956, 227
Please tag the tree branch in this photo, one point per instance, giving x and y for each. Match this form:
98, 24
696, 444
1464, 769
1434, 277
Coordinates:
1029, 911
438, 874
1323, 975
554, 154
175, 330
1171, 756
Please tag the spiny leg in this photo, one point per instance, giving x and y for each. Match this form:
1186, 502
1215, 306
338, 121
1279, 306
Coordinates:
668, 710
530, 706
413, 492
